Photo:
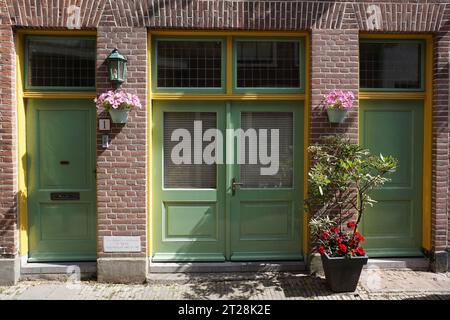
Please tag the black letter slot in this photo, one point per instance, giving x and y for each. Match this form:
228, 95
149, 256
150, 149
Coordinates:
58, 196
64, 162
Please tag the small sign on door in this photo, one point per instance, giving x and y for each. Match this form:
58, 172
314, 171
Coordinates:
104, 125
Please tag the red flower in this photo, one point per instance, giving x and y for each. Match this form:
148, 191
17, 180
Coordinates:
322, 250
324, 235
350, 224
358, 236
339, 240
360, 251
343, 248
335, 230
351, 243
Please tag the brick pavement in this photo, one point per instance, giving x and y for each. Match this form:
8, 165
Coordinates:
374, 285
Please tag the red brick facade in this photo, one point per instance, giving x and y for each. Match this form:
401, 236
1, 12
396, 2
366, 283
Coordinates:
334, 27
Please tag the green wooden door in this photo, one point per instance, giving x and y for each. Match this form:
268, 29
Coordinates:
61, 180
189, 197
196, 214
395, 127
266, 206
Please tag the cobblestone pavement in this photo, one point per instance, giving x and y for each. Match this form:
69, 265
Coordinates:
374, 284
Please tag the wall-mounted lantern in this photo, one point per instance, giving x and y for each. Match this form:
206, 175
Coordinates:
117, 67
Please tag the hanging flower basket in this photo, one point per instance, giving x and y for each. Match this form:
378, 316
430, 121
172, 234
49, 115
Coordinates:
336, 115
337, 104
118, 103
119, 115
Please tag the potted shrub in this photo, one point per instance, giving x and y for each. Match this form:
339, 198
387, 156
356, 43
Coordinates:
118, 103
338, 103
340, 180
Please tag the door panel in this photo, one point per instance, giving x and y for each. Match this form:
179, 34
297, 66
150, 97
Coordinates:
189, 198
61, 161
395, 127
266, 209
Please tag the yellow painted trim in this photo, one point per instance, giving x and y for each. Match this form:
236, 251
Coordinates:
55, 32
228, 33
427, 146
229, 66
371, 35
306, 125
21, 151
391, 95
59, 95
188, 96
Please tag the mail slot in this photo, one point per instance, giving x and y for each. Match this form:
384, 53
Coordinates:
65, 196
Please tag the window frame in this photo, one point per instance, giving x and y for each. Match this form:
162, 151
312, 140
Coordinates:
423, 59
154, 65
29, 87
274, 90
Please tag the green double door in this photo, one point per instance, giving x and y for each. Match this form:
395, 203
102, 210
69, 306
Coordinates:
393, 226
227, 181
61, 180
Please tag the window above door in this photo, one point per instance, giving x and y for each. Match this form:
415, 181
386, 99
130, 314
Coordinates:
60, 63
228, 64
392, 65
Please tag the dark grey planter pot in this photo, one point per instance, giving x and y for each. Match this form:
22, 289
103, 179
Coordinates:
342, 273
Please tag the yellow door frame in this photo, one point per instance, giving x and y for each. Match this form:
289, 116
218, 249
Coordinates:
229, 95
427, 96
21, 95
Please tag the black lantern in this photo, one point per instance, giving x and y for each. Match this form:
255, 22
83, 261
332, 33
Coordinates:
117, 67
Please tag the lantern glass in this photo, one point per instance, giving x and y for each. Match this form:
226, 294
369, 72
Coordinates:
117, 67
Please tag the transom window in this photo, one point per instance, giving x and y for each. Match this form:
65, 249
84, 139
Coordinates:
391, 65
63, 63
189, 64
267, 64
202, 64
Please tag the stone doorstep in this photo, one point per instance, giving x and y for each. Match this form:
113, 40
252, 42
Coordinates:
225, 267
221, 269
57, 270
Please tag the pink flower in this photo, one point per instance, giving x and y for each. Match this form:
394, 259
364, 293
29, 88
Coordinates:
338, 99
117, 99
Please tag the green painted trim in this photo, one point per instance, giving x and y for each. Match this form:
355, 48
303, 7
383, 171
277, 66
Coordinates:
422, 44
175, 256
264, 256
302, 66
154, 65
51, 88
389, 253
51, 257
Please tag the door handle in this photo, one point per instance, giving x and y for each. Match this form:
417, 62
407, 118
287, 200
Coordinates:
234, 185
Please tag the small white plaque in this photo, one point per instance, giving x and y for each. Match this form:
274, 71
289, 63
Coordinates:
121, 244
104, 125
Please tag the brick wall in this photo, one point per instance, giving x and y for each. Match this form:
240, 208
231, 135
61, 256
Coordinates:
8, 164
441, 176
334, 65
121, 168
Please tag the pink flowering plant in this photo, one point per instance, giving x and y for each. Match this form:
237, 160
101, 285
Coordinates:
338, 99
117, 99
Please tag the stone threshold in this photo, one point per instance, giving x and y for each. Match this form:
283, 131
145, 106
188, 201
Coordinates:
57, 270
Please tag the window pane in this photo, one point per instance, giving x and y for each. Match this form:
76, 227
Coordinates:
187, 174
251, 176
189, 64
390, 65
61, 62
268, 64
